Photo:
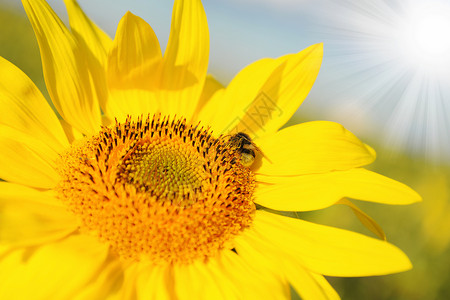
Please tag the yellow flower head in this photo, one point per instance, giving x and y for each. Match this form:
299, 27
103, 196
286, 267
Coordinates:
159, 183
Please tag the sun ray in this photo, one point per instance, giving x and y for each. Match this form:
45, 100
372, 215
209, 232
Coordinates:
393, 57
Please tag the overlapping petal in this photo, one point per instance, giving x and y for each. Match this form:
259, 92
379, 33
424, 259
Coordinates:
108, 284
57, 270
23, 107
365, 219
310, 148
89, 35
154, 282
325, 250
31, 217
260, 282
141, 81
133, 69
94, 43
71, 133
265, 94
220, 111
185, 60
221, 277
317, 191
26, 160
199, 279
65, 68
308, 285
211, 87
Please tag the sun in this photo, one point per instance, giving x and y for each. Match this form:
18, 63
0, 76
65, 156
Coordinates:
432, 35
425, 42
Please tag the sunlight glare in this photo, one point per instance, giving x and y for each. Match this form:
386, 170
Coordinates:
425, 41
432, 35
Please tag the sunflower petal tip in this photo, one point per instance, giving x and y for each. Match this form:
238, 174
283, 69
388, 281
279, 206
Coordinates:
405, 264
371, 151
70, 2
413, 197
402, 264
318, 48
417, 197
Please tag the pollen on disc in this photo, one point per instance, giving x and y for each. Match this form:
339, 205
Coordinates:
158, 189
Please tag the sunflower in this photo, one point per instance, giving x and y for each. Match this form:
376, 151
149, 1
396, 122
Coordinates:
156, 182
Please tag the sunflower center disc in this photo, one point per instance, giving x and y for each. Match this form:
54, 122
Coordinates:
165, 166
158, 190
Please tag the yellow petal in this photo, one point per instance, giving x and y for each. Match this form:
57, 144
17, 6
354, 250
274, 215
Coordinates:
252, 278
92, 37
65, 71
226, 276
198, 280
154, 282
133, 69
26, 160
264, 96
365, 219
108, 284
326, 250
309, 285
54, 271
317, 191
221, 112
312, 147
211, 87
31, 217
71, 133
94, 43
283, 93
23, 107
185, 60
129, 287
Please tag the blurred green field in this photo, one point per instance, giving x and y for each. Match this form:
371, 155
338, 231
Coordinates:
18, 44
421, 230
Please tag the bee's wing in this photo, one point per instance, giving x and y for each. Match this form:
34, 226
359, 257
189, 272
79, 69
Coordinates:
262, 153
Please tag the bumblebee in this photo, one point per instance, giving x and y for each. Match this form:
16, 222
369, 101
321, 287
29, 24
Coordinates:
244, 147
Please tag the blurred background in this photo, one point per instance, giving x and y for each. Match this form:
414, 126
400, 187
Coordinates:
385, 76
